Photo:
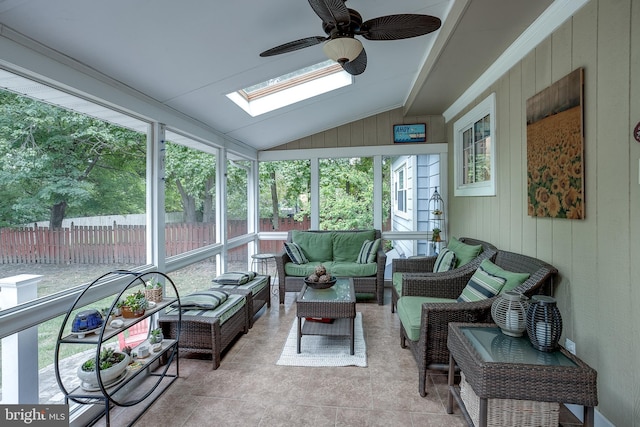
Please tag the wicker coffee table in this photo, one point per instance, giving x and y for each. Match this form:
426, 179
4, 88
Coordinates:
337, 303
500, 367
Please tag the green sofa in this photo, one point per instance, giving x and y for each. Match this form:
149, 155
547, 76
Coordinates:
338, 251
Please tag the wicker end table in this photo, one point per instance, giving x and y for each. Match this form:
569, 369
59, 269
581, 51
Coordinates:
500, 367
337, 303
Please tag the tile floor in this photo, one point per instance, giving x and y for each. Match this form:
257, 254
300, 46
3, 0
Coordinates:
249, 389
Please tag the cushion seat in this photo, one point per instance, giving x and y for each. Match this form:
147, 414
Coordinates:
257, 291
410, 313
336, 268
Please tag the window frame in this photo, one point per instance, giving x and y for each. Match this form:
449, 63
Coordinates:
467, 122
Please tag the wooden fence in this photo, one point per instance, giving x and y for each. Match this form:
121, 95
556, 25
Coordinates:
120, 244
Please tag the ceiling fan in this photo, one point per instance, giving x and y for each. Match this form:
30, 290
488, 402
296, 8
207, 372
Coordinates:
341, 24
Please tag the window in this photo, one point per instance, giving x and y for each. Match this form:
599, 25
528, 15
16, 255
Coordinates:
474, 151
290, 88
400, 188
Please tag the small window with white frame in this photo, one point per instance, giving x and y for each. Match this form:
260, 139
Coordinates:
400, 190
474, 151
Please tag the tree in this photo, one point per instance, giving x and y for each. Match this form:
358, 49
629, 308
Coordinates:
54, 161
193, 173
286, 183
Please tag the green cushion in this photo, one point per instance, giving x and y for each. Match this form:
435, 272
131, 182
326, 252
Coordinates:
464, 253
410, 312
338, 269
316, 246
513, 280
347, 245
302, 270
353, 269
481, 286
396, 280
368, 251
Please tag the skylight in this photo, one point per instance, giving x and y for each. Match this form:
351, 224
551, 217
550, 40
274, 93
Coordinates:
292, 87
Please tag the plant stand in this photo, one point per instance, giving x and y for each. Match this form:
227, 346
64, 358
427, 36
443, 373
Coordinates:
142, 382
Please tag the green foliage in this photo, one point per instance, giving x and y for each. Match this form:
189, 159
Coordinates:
51, 158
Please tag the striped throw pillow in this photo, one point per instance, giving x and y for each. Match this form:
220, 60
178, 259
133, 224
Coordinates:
446, 261
203, 300
295, 253
482, 285
368, 251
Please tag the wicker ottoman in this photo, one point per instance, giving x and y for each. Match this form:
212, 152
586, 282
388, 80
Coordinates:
208, 331
257, 292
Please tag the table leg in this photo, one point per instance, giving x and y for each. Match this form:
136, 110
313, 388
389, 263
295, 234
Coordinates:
352, 323
589, 415
452, 366
483, 412
299, 333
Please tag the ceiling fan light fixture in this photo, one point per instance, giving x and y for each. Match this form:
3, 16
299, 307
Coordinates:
342, 49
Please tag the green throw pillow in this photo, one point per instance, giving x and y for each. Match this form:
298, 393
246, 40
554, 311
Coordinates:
464, 253
482, 285
317, 246
513, 279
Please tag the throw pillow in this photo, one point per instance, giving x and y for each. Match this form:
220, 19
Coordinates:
295, 253
464, 253
235, 278
446, 261
482, 285
203, 300
513, 279
368, 251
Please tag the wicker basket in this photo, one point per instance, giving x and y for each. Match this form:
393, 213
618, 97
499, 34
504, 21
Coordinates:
510, 412
154, 295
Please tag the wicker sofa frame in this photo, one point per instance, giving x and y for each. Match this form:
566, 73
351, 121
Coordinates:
372, 284
431, 351
419, 271
205, 335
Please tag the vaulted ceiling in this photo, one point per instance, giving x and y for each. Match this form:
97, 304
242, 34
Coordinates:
188, 55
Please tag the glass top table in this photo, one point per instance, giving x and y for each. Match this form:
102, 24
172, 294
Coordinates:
335, 307
497, 366
494, 346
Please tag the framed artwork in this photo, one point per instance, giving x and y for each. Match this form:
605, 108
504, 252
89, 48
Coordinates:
555, 149
416, 132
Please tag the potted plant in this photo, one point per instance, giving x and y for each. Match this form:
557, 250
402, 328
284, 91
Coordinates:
156, 336
112, 364
133, 305
153, 290
435, 235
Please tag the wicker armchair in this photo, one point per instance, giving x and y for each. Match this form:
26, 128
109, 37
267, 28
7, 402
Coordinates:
419, 279
431, 351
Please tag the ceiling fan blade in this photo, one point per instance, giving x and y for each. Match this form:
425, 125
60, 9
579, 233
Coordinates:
332, 12
294, 45
358, 65
394, 27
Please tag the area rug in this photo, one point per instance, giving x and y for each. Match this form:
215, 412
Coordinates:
319, 350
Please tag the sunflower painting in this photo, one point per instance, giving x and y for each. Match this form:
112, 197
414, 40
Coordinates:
555, 174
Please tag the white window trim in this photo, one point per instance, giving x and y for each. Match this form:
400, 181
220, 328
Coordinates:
486, 188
